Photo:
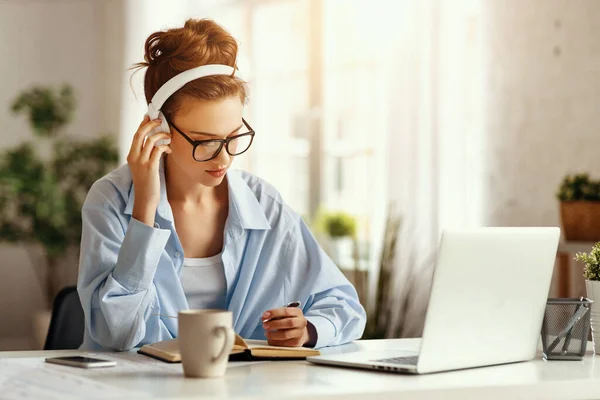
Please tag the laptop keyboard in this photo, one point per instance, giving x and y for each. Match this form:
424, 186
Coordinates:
412, 360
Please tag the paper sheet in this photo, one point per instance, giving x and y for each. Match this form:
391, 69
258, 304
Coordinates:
33, 378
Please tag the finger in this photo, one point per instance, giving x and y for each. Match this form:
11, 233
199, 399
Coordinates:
146, 119
285, 334
282, 312
157, 151
285, 323
138, 138
140, 135
150, 144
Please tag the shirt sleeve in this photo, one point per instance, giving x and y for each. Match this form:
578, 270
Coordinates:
116, 271
332, 304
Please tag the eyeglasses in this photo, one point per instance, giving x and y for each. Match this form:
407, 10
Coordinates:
206, 150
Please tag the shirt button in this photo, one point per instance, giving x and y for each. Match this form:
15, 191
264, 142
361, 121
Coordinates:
177, 254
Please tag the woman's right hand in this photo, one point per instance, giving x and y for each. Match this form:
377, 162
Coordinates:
143, 160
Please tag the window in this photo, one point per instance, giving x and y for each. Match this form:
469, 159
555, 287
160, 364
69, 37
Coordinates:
280, 105
318, 99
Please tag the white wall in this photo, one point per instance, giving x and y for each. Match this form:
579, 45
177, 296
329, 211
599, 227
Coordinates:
542, 96
53, 42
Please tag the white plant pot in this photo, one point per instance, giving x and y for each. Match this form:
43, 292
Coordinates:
592, 289
340, 250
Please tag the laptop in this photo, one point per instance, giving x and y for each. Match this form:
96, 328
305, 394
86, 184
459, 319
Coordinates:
486, 305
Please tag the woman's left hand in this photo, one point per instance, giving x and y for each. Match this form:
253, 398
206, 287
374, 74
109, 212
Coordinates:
286, 327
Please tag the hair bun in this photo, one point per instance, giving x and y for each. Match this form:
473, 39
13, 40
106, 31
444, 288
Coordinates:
172, 51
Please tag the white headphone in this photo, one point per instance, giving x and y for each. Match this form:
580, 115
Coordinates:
176, 83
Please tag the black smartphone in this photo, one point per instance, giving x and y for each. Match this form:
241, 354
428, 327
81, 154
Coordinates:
81, 362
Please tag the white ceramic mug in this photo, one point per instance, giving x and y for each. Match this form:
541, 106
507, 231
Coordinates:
205, 340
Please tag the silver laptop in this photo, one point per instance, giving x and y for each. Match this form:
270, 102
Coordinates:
486, 306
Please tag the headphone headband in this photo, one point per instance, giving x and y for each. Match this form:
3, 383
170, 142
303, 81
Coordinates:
179, 80
176, 83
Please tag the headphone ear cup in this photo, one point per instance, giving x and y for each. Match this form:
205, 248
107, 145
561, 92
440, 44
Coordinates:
162, 128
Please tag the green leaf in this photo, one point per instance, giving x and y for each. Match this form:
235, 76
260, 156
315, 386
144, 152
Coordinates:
579, 187
48, 109
591, 261
337, 224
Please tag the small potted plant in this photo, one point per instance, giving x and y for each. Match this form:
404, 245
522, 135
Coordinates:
579, 198
340, 228
591, 273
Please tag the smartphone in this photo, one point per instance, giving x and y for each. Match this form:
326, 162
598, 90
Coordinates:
81, 362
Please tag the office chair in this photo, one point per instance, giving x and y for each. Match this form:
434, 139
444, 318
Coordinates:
67, 321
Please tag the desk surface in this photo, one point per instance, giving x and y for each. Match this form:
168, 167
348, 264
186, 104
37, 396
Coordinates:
299, 379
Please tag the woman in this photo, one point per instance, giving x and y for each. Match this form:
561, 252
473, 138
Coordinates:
174, 228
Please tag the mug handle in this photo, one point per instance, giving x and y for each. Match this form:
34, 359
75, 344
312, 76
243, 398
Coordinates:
228, 344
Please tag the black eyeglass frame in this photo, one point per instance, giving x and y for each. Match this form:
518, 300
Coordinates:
223, 142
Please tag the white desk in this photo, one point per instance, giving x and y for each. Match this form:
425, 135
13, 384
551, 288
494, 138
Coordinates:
299, 379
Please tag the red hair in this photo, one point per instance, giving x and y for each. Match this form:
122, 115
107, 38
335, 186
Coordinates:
198, 42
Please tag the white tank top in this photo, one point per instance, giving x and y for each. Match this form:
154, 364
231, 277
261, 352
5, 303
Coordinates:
203, 281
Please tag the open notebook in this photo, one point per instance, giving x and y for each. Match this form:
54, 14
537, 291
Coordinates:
243, 350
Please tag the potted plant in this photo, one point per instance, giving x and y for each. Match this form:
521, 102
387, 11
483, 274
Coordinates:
591, 273
579, 198
340, 229
41, 192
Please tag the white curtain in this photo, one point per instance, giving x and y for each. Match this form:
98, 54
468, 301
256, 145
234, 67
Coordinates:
434, 150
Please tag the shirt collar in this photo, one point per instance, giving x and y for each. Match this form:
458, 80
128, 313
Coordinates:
243, 204
245, 212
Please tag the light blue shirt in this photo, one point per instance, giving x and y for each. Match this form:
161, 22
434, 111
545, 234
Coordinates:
129, 272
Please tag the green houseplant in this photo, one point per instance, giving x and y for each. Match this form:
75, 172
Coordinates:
43, 182
337, 233
340, 230
591, 273
579, 197
340, 226
591, 263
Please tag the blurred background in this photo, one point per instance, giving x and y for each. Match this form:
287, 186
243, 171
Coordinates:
381, 122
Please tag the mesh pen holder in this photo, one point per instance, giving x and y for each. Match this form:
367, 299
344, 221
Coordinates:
566, 328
